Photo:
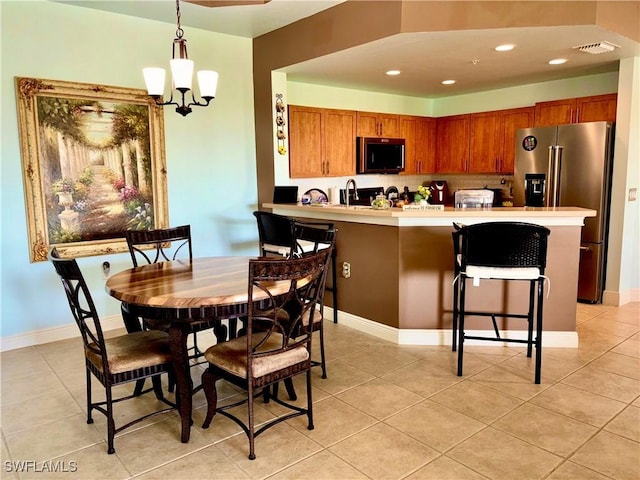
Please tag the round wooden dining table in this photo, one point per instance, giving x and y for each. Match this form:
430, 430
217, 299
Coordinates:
190, 295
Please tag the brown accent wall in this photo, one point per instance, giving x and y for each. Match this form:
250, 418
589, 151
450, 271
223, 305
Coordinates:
402, 277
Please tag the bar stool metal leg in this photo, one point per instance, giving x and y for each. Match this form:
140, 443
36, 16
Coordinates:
334, 290
539, 331
461, 324
456, 311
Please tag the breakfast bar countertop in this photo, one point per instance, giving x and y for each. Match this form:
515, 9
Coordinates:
414, 218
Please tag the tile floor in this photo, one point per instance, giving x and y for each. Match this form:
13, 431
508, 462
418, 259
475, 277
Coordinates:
385, 412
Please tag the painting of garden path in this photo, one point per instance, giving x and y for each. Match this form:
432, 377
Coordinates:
96, 164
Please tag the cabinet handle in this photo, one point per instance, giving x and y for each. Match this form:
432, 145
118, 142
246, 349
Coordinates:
577, 116
327, 168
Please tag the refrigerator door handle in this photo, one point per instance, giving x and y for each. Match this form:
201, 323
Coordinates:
553, 175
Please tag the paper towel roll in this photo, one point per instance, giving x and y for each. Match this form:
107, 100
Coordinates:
334, 195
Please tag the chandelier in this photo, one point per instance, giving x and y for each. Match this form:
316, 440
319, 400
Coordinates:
182, 74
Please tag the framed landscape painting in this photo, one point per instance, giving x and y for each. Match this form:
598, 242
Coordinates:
93, 165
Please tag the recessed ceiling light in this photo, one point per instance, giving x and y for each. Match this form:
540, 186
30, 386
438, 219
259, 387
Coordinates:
448, 82
505, 48
557, 61
393, 72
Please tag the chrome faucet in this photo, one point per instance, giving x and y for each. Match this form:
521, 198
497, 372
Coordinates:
346, 191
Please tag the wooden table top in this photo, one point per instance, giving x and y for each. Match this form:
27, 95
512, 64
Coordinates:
181, 284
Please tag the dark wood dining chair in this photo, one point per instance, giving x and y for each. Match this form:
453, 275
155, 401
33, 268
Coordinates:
272, 350
286, 236
276, 235
115, 360
160, 245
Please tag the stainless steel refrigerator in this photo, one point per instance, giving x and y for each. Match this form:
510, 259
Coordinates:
571, 165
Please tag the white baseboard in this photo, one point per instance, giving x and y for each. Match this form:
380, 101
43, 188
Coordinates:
53, 334
443, 337
385, 332
618, 299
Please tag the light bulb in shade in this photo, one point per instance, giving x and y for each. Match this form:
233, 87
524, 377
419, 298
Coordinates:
154, 79
448, 82
557, 61
207, 83
393, 72
182, 72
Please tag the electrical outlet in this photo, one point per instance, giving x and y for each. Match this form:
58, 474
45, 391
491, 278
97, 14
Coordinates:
346, 269
633, 194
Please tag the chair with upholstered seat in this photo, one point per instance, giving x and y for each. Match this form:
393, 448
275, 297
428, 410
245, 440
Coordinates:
272, 350
115, 360
507, 251
161, 245
276, 234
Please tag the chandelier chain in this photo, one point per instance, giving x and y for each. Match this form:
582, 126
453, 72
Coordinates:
179, 30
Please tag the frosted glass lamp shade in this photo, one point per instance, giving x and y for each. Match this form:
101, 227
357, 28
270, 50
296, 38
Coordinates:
208, 83
182, 72
154, 79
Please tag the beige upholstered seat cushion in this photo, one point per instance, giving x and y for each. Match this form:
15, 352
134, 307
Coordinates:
232, 356
133, 351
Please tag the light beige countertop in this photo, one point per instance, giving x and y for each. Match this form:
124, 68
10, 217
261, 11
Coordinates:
547, 216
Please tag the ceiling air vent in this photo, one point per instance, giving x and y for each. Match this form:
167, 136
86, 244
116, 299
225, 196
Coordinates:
596, 48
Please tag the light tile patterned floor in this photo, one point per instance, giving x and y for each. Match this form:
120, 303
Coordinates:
385, 412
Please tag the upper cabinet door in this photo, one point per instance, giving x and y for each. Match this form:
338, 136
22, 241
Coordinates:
305, 142
577, 110
371, 124
389, 125
559, 112
485, 148
452, 143
513, 120
426, 145
597, 108
367, 124
339, 132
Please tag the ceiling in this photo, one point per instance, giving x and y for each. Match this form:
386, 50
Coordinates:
424, 59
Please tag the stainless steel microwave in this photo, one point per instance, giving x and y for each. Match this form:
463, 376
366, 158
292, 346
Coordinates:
379, 155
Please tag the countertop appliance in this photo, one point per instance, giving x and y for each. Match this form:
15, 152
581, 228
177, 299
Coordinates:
480, 198
439, 192
379, 155
571, 165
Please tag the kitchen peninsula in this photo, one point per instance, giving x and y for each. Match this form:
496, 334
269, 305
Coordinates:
401, 265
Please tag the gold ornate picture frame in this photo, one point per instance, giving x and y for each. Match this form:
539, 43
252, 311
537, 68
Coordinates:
93, 165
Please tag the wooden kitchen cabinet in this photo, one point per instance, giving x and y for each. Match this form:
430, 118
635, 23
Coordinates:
485, 147
452, 143
321, 142
420, 143
513, 120
372, 124
480, 142
576, 110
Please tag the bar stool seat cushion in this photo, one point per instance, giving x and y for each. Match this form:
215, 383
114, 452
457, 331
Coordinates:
502, 273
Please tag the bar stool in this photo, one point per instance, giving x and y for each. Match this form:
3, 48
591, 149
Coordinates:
512, 251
